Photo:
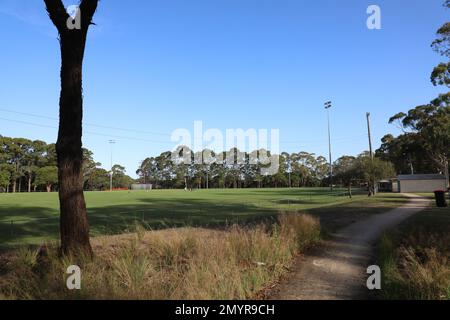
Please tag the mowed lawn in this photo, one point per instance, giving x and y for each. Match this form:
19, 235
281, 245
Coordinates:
33, 218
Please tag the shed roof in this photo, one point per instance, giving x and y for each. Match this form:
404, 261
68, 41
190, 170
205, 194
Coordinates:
421, 177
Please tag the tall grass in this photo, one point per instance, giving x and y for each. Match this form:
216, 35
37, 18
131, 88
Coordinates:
183, 263
417, 267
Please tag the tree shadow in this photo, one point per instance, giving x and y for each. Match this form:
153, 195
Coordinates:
26, 224
35, 225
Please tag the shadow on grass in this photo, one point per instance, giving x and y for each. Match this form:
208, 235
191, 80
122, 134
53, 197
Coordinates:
33, 225
39, 224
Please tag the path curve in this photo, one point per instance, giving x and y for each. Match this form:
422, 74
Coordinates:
337, 270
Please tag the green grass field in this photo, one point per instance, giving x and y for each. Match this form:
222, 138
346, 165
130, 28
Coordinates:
33, 218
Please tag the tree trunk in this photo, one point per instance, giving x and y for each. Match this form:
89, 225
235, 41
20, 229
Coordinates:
447, 174
49, 188
74, 227
29, 182
73, 224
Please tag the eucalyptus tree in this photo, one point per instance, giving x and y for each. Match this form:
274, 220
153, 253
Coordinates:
287, 158
33, 158
429, 124
74, 227
47, 176
345, 172
5, 176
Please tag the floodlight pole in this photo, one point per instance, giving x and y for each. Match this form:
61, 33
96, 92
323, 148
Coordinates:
371, 150
328, 105
111, 142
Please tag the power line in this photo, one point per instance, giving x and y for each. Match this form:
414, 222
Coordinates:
88, 132
302, 142
167, 142
87, 124
147, 132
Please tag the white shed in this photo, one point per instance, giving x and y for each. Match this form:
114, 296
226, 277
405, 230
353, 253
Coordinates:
421, 183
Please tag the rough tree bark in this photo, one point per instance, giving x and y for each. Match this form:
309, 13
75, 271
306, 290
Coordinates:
74, 227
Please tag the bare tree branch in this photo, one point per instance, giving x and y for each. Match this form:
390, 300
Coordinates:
87, 10
57, 13
59, 16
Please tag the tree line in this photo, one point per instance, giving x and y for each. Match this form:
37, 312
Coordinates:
298, 169
31, 166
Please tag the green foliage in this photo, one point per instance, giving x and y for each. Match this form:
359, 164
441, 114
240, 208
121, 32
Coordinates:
441, 75
97, 179
345, 170
406, 152
5, 176
363, 168
429, 130
296, 170
120, 179
47, 176
21, 160
442, 43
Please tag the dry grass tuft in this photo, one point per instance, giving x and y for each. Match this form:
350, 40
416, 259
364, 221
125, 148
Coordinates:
418, 268
183, 263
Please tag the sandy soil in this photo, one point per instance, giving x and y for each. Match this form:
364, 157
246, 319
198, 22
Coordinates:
337, 270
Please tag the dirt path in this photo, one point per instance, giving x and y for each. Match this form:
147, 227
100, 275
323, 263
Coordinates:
337, 270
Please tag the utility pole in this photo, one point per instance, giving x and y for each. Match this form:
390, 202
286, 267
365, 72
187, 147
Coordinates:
111, 142
327, 107
370, 148
411, 163
369, 134
290, 184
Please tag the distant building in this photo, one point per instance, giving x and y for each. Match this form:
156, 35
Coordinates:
142, 186
387, 185
421, 183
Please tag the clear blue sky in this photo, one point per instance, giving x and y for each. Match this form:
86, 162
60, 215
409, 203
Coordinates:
159, 65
